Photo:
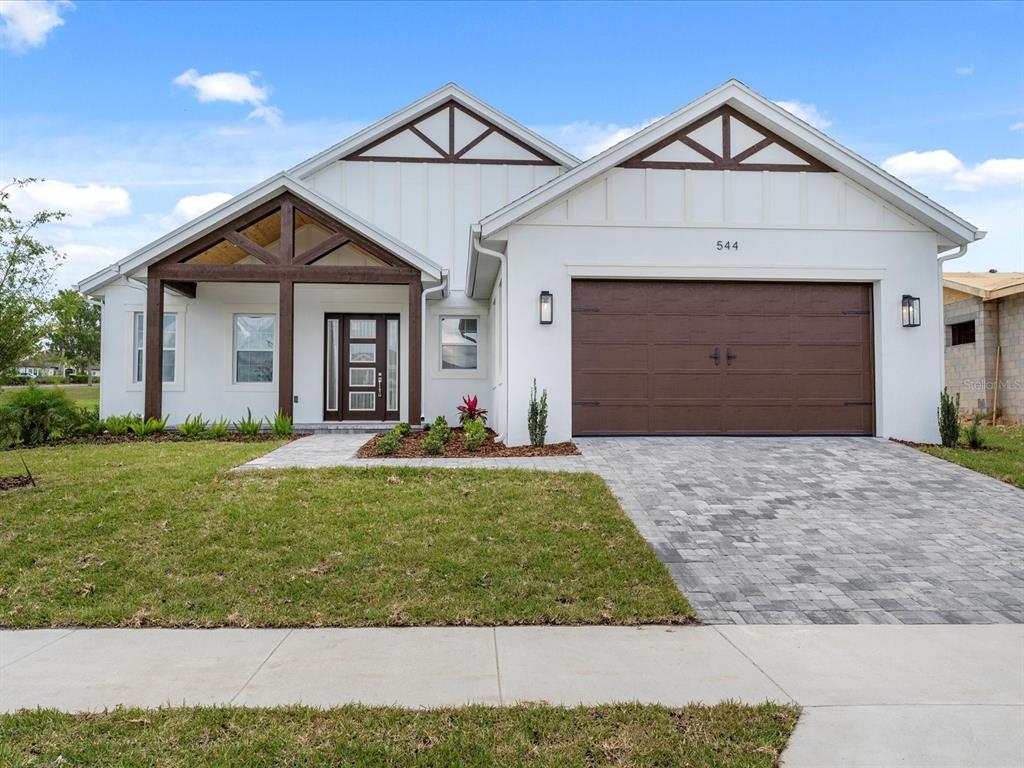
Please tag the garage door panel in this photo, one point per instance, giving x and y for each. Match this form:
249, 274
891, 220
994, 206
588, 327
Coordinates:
610, 384
803, 358
591, 356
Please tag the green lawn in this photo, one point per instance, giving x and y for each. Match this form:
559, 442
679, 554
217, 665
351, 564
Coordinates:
722, 736
159, 534
1004, 461
82, 394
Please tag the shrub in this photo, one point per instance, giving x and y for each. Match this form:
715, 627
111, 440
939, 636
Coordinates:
389, 442
441, 430
469, 410
193, 426
150, 426
403, 429
89, 422
973, 433
949, 418
118, 425
34, 415
14, 380
219, 429
248, 426
537, 416
473, 434
281, 426
433, 444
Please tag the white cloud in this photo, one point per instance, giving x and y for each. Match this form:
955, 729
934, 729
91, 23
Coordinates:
944, 170
585, 139
965, 71
806, 112
191, 206
27, 23
84, 205
233, 87
1019, 127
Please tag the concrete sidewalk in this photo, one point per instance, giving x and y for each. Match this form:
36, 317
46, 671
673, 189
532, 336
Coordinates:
874, 696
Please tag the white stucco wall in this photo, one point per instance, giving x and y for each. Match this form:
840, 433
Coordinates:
614, 235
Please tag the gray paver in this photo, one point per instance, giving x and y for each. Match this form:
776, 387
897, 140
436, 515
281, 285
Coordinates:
793, 530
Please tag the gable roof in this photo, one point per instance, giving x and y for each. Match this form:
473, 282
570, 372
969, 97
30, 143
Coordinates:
769, 116
238, 205
421, 109
985, 285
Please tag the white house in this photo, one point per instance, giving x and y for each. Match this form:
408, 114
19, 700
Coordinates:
727, 270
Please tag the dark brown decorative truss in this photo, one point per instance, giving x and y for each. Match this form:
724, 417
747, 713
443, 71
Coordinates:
450, 133
267, 233
726, 140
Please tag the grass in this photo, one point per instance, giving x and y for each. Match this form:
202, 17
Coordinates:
724, 736
1002, 457
159, 534
81, 394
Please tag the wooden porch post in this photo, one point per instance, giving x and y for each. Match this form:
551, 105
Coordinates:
415, 350
286, 356
153, 379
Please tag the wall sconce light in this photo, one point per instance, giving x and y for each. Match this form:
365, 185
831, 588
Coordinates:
911, 311
547, 308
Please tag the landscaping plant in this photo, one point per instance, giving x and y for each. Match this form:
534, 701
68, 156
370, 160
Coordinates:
281, 426
34, 415
441, 430
469, 410
219, 429
118, 425
150, 426
537, 416
389, 442
949, 418
403, 429
248, 426
473, 434
973, 433
89, 422
433, 443
193, 426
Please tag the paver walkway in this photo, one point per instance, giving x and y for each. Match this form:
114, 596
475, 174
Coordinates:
794, 530
872, 695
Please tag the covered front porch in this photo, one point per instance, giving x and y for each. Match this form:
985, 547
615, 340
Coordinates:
294, 306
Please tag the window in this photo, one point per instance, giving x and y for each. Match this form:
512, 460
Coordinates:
254, 349
458, 343
169, 357
963, 333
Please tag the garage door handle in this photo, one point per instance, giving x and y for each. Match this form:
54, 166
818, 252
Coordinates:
716, 356
729, 355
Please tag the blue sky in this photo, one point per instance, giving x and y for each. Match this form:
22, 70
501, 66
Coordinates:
114, 104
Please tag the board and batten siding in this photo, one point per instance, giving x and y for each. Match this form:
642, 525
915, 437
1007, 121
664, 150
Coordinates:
428, 206
637, 196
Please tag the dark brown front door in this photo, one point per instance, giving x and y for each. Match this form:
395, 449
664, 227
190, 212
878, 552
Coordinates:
660, 357
361, 367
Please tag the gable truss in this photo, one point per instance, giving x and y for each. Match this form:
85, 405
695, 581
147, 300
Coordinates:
450, 133
726, 140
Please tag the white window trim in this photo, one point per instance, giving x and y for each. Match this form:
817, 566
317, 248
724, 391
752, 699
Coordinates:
229, 324
460, 372
180, 312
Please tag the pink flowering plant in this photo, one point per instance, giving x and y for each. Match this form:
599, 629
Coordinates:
470, 410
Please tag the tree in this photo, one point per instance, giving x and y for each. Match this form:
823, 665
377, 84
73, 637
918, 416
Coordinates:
26, 277
74, 331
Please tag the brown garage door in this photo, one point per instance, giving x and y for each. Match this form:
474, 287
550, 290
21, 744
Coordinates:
659, 357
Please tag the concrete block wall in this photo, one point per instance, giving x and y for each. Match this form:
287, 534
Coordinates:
1011, 364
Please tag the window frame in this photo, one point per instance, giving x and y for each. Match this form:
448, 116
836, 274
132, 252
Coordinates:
137, 348
441, 344
233, 362
959, 330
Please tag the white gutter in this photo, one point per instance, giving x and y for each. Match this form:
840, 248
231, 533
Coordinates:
443, 287
503, 276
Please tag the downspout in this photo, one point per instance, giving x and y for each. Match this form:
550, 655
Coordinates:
502, 273
943, 258
443, 287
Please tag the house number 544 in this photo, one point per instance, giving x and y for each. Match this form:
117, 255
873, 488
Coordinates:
727, 245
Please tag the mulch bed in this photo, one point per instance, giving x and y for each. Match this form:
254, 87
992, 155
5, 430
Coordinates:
18, 481
912, 444
412, 448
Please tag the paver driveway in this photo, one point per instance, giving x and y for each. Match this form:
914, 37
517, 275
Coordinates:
822, 530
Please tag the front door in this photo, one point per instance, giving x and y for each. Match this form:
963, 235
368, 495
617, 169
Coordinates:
361, 377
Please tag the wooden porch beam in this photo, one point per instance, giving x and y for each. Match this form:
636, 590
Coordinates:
415, 350
319, 251
186, 289
267, 273
153, 378
286, 355
287, 231
251, 247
